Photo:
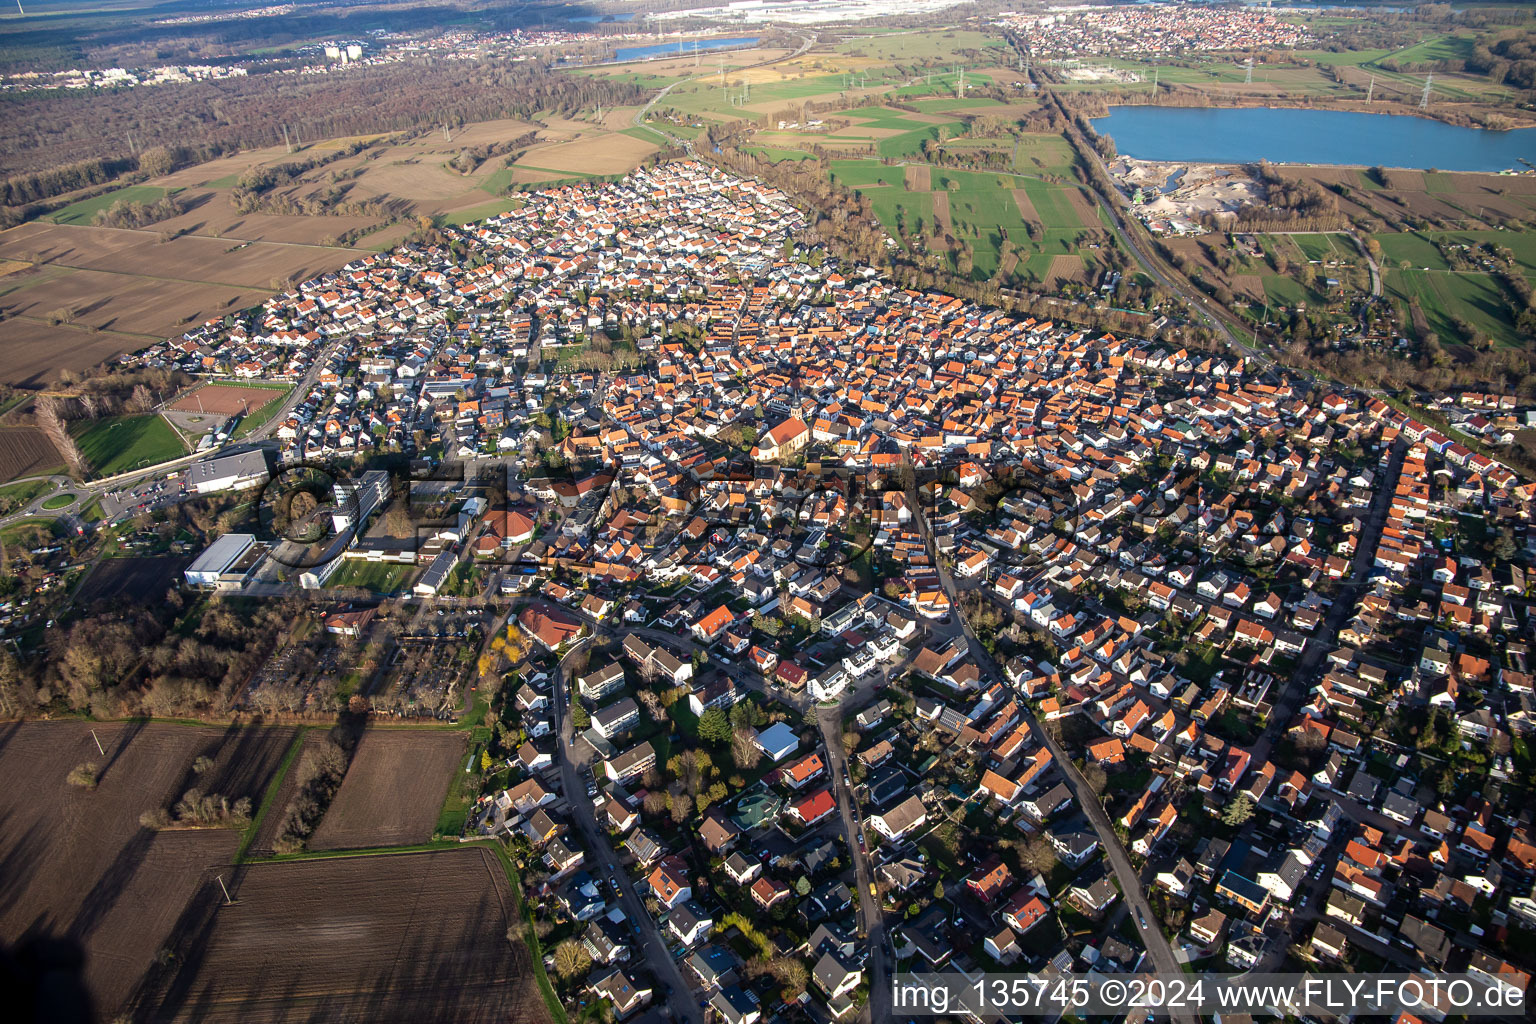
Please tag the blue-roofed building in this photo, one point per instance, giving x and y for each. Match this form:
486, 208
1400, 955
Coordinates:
778, 741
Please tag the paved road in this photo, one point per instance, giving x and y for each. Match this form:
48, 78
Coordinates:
1131, 887
1339, 611
57, 485
653, 948
881, 964
1369, 262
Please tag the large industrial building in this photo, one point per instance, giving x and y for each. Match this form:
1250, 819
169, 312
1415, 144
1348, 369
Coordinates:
227, 563
229, 472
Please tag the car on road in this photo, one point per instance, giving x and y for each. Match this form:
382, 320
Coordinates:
1141, 918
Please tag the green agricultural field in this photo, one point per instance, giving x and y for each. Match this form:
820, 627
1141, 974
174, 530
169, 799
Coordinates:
981, 217
878, 117
895, 207
1474, 297
1440, 181
1053, 206
1044, 153
707, 97
1346, 58
473, 213
1436, 49
120, 443
982, 209
1286, 291
1414, 248
865, 173
943, 106
911, 143
940, 85
1315, 247
85, 211
498, 182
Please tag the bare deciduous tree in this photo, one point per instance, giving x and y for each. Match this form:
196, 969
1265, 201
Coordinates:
50, 419
744, 751
572, 960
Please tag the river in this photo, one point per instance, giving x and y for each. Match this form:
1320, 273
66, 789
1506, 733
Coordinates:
1234, 135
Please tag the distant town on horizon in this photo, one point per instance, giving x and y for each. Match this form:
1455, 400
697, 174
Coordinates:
732, 513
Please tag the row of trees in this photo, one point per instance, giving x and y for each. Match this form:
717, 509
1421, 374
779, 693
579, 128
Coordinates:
320, 772
128, 213
45, 184
197, 809
50, 413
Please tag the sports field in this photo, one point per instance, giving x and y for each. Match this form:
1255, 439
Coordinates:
118, 444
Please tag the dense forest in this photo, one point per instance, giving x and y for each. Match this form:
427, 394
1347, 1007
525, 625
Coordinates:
1509, 58
46, 130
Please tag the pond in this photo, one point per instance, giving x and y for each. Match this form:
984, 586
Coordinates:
1234, 135
685, 46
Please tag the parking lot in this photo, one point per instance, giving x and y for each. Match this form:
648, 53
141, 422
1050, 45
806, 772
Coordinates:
146, 497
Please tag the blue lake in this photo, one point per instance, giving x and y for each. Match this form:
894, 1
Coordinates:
1231, 135
684, 47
